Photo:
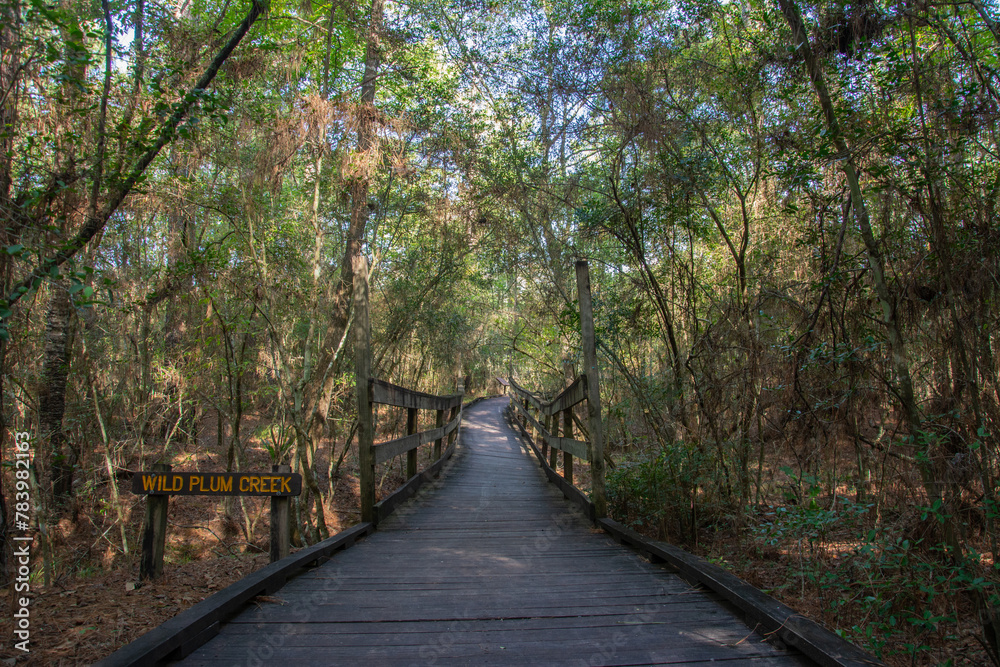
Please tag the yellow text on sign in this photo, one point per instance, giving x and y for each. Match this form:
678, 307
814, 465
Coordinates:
215, 483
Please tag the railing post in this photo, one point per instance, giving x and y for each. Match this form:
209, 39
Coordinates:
456, 411
279, 520
154, 531
543, 419
451, 417
534, 431
567, 415
411, 456
553, 429
363, 372
438, 423
599, 495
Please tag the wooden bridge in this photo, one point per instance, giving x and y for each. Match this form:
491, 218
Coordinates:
489, 564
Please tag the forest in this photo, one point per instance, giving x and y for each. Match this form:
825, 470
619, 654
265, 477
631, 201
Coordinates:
789, 208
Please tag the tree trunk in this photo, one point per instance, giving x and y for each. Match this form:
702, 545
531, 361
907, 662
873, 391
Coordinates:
61, 455
365, 162
902, 384
10, 56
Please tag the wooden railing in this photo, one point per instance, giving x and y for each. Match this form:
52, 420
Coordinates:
540, 422
383, 393
562, 405
371, 392
544, 424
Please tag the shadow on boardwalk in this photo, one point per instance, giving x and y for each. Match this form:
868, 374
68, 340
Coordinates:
488, 566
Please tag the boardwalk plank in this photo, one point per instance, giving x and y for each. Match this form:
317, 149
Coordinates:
482, 654
496, 632
507, 624
458, 611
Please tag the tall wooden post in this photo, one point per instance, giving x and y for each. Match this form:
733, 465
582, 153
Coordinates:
534, 431
524, 418
456, 412
567, 433
411, 456
451, 416
280, 528
154, 531
553, 429
438, 423
363, 373
593, 390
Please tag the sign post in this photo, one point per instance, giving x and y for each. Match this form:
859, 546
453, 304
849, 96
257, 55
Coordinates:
154, 530
279, 520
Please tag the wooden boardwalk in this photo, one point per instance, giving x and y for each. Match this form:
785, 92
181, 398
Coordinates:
490, 566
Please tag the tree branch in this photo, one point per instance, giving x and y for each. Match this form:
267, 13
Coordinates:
96, 222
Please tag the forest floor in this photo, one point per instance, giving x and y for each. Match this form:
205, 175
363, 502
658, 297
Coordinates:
95, 603
808, 583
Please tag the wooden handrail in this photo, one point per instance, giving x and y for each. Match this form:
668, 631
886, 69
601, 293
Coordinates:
385, 393
572, 395
577, 448
381, 392
392, 448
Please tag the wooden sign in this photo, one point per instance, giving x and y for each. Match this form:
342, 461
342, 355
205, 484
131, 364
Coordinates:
217, 484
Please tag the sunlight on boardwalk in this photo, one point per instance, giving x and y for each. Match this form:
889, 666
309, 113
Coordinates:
490, 566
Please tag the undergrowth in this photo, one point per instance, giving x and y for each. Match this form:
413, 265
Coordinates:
865, 571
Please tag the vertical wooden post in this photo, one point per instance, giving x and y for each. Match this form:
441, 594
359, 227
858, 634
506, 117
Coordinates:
154, 531
568, 433
451, 418
456, 413
438, 423
524, 418
280, 528
411, 456
553, 429
598, 494
362, 373
534, 431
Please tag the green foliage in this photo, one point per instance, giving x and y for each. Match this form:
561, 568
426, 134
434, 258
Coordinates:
898, 596
661, 493
278, 440
678, 146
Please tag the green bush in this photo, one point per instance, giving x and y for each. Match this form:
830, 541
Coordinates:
659, 494
890, 594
